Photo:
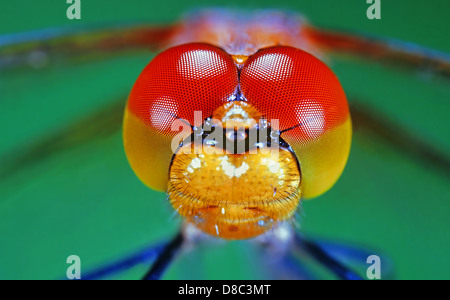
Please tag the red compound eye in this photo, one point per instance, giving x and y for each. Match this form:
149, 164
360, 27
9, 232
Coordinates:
296, 88
181, 80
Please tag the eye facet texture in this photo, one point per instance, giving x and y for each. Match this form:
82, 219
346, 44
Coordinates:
181, 80
296, 88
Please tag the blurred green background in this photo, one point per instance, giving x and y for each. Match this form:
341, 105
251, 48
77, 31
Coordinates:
86, 200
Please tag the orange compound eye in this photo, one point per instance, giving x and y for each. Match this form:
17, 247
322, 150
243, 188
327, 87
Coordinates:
181, 80
306, 98
296, 88
175, 84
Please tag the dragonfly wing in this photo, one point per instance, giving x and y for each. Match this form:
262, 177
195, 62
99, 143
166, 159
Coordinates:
382, 49
367, 120
39, 48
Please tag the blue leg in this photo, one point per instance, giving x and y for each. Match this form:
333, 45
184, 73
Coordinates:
322, 256
165, 258
145, 256
356, 255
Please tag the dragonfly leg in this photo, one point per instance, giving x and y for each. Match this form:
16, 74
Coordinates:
165, 258
124, 264
323, 257
354, 254
286, 252
161, 255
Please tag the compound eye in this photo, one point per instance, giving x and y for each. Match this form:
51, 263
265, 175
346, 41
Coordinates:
297, 89
181, 81
175, 85
305, 97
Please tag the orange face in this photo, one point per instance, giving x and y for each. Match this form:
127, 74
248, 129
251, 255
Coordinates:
225, 176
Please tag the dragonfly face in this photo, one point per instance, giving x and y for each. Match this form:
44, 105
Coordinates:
238, 181
225, 192
239, 88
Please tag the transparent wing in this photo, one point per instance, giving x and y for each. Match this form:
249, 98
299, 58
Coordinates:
381, 49
42, 47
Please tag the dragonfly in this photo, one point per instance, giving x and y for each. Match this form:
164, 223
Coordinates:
237, 37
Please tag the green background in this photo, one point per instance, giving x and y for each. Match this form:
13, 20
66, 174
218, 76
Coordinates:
86, 200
